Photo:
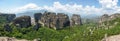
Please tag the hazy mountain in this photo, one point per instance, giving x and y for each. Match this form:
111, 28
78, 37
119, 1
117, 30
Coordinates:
30, 12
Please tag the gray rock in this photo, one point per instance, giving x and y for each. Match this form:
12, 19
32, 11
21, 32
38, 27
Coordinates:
75, 20
37, 16
63, 20
23, 21
49, 19
36, 26
104, 18
9, 17
114, 16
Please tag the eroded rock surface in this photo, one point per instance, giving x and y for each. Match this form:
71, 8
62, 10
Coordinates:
63, 20
75, 20
9, 17
53, 20
23, 21
49, 19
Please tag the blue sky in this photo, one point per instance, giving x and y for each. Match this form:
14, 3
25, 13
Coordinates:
17, 3
82, 6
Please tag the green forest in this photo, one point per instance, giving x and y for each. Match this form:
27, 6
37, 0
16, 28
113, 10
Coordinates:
86, 32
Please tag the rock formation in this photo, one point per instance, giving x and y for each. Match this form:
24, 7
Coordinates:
75, 20
52, 20
9, 17
49, 19
113, 16
37, 16
23, 21
107, 17
36, 26
63, 20
104, 18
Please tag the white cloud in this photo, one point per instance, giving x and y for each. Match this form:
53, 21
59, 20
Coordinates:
30, 6
108, 6
108, 3
74, 9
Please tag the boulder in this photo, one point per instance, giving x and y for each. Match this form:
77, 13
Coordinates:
75, 20
23, 21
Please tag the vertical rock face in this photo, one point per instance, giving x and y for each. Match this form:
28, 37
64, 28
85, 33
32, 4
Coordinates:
63, 20
104, 18
113, 16
48, 19
37, 16
52, 20
33, 21
23, 21
75, 20
36, 26
9, 17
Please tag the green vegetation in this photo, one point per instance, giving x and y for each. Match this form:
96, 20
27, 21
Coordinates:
86, 32
2, 20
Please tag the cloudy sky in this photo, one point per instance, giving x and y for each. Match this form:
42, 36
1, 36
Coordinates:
71, 6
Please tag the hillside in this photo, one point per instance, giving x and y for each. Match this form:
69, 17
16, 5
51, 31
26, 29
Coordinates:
84, 32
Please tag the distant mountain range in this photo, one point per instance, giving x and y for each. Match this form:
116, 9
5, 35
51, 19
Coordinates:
32, 12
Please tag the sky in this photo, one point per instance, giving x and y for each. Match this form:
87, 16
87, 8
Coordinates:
70, 6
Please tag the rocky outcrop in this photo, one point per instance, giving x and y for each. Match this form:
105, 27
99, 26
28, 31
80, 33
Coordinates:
107, 17
106, 21
104, 18
114, 16
75, 20
9, 17
33, 21
49, 19
36, 26
23, 21
37, 16
63, 20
